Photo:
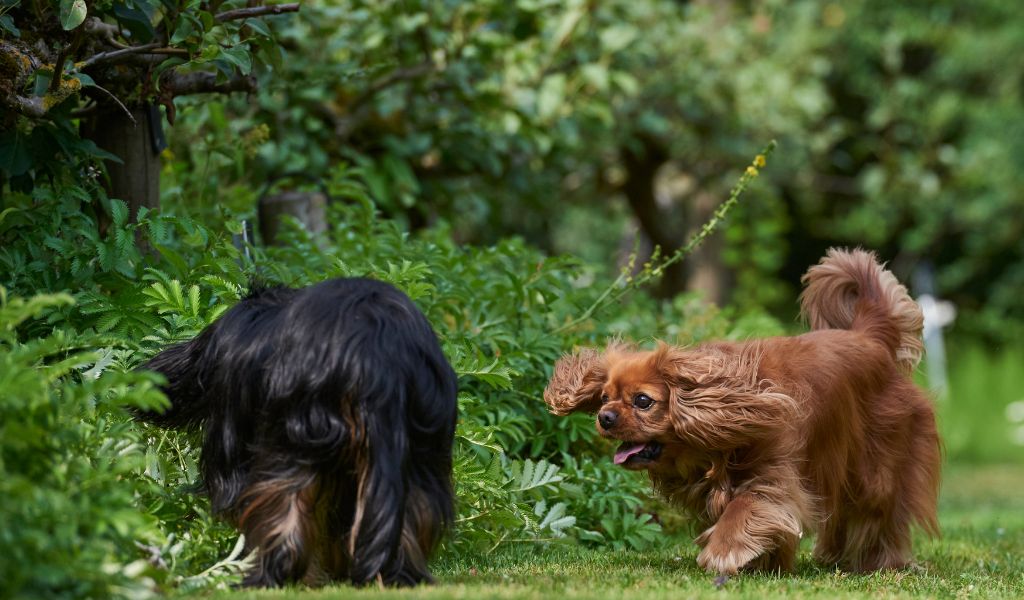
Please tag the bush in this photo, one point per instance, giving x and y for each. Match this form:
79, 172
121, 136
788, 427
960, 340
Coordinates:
69, 461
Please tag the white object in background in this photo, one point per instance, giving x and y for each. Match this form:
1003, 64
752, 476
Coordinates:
937, 314
1015, 415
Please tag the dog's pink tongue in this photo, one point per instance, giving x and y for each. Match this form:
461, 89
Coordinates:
626, 450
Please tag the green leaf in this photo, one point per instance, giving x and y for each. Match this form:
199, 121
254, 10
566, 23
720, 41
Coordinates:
43, 77
567, 24
494, 375
531, 475
8, 211
85, 79
136, 21
108, 321
550, 96
7, 24
240, 57
193, 300
119, 212
258, 26
72, 13
184, 30
617, 38
91, 149
596, 75
15, 157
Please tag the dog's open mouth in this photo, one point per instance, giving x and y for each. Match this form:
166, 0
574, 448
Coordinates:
637, 452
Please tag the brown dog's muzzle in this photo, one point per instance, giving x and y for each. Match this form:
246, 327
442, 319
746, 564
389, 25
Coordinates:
607, 419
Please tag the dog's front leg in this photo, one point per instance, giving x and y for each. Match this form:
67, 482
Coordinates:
754, 531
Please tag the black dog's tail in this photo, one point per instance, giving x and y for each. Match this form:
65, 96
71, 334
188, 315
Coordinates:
180, 364
849, 289
188, 365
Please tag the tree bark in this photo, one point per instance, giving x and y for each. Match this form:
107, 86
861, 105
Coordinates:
706, 272
309, 208
642, 166
137, 180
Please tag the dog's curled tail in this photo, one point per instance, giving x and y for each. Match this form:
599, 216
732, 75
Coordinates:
850, 289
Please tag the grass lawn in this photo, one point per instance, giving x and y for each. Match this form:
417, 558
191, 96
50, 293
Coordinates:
980, 555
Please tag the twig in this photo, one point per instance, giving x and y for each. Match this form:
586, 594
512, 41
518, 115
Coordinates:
58, 70
84, 111
119, 103
474, 517
170, 51
112, 54
709, 227
256, 11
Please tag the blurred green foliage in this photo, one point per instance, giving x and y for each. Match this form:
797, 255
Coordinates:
981, 417
574, 124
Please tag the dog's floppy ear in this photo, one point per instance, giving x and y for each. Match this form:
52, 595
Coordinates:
718, 400
576, 383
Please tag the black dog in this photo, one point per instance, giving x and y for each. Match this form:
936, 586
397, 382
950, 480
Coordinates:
328, 415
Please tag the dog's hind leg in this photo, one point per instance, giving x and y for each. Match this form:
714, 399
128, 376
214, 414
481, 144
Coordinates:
831, 539
278, 520
422, 527
897, 490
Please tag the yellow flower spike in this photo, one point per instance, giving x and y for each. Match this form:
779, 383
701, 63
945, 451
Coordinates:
658, 266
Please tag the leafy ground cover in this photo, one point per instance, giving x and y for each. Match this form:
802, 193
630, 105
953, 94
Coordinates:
981, 554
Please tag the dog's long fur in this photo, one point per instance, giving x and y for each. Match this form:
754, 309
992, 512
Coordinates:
764, 440
328, 415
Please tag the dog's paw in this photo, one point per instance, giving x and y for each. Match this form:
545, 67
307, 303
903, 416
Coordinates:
724, 559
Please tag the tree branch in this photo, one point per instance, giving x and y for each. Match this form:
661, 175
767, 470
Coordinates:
117, 101
36, 107
109, 33
18, 64
127, 54
29, 107
256, 11
360, 108
182, 84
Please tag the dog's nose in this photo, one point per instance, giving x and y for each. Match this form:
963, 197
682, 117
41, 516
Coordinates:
607, 418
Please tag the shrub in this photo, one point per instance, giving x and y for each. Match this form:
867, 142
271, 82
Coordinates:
68, 462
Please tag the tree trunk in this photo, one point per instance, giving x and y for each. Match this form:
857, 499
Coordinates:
706, 272
309, 208
137, 180
664, 230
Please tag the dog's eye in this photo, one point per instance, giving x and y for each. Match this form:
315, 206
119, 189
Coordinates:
604, 398
642, 401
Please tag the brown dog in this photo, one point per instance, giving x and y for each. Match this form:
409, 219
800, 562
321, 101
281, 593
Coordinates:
763, 440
